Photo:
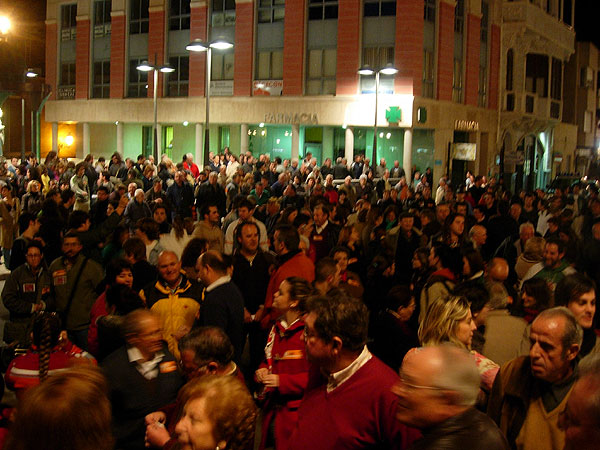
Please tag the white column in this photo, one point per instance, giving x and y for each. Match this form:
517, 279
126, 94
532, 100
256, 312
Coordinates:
198, 158
295, 141
159, 143
407, 154
86, 139
349, 145
120, 146
55, 136
244, 139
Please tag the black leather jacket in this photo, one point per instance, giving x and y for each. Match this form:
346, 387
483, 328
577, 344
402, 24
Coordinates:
471, 430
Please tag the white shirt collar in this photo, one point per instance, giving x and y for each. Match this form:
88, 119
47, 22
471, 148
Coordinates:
336, 379
218, 282
322, 227
148, 369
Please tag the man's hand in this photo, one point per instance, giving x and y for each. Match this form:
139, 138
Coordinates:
247, 316
261, 374
156, 416
271, 380
156, 435
259, 314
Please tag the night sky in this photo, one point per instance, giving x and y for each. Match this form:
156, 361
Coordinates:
587, 21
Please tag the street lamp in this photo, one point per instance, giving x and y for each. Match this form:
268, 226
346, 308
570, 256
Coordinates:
4, 25
367, 71
198, 45
145, 66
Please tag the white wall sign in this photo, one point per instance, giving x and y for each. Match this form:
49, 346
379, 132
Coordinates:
221, 88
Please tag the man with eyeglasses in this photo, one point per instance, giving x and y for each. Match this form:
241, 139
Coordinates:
26, 291
142, 377
437, 391
74, 281
348, 402
204, 351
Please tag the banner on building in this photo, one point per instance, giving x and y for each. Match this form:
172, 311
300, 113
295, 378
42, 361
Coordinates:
271, 88
465, 151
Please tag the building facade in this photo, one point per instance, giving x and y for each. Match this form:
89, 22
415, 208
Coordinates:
538, 39
290, 83
581, 90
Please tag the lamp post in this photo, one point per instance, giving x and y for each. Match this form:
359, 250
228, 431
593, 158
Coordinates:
145, 66
366, 71
198, 45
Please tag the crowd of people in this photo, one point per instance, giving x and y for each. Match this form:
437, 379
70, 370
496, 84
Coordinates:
257, 303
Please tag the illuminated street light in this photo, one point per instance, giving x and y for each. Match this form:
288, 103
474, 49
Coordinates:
145, 66
32, 73
198, 45
368, 71
4, 25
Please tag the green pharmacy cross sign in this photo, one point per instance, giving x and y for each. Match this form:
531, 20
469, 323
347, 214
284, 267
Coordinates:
393, 114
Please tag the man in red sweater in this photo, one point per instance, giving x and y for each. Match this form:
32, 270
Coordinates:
348, 403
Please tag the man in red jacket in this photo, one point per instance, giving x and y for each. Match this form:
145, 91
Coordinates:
291, 262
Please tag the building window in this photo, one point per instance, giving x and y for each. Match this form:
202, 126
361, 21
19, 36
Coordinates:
377, 58
270, 65
459, 16
179, 15
68, 22
139, 17
271, 11
321, 71
223, 13
222, 65
428, 71
556, 83
101, 80
138, 81
509, 69
67, 74
457, 82
322, 9
482, 92
430, 11
101, 18
178, 81
376, 8
485, 18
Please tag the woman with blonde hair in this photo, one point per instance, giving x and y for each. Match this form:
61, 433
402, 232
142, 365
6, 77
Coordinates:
450, 320
219, 414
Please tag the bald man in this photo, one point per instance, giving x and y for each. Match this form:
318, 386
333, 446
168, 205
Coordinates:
498, 271
437, 391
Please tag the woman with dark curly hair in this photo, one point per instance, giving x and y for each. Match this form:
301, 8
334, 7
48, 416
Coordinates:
218, 414
282, 379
